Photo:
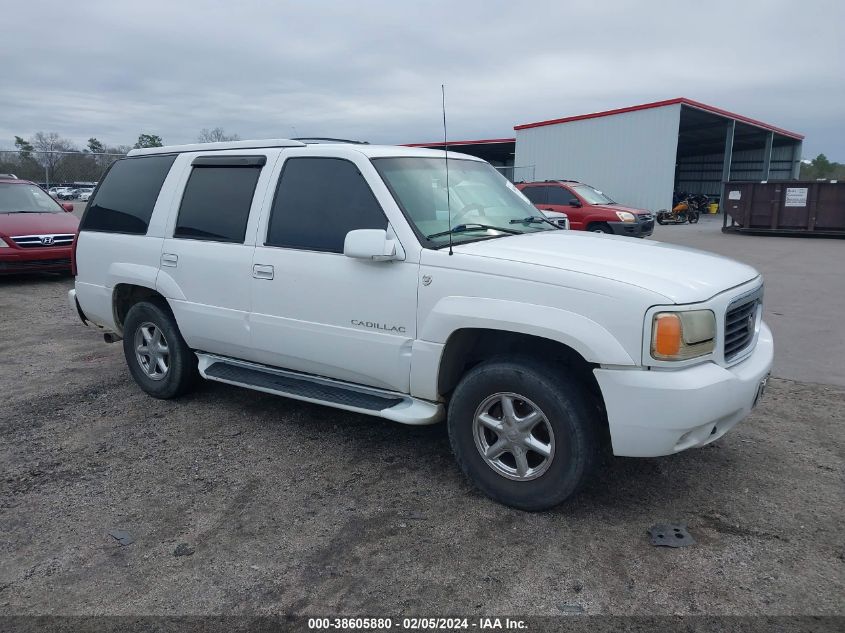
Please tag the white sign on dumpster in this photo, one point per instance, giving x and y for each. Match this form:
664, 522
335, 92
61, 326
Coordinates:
734, 195
796, 197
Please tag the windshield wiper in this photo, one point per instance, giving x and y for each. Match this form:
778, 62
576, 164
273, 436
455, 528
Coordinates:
461, 228
531, 219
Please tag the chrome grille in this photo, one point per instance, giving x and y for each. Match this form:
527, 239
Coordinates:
43, 241
740, 322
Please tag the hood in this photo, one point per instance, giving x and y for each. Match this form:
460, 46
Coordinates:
37, 223
620, 207
683, 275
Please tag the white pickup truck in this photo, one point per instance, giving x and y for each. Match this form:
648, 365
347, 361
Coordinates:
373, 279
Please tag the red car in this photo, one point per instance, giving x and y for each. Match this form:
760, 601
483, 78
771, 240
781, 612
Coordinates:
588, 208
36, 233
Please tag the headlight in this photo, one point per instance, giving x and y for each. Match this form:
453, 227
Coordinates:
683, 335
625, 216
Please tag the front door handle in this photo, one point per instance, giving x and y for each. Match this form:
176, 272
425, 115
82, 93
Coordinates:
262, 271
169, 259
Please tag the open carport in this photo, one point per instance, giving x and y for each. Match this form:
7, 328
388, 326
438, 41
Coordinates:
499, 152
641, 154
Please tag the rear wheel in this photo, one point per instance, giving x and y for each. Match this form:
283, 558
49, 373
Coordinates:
523, 433
600, 228
158, 358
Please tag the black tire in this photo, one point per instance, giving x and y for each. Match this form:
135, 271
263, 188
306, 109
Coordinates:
181, 374
570, 414
693, 217
661, 217
601, 227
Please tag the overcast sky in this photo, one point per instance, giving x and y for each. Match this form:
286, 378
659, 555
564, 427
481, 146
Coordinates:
372, 70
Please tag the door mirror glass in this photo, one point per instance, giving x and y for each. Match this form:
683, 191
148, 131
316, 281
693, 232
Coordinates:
371, 244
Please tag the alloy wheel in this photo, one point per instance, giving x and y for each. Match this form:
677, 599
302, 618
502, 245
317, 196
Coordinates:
152, 351
514, 436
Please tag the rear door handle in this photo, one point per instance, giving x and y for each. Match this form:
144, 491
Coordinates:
262, 271
169, 259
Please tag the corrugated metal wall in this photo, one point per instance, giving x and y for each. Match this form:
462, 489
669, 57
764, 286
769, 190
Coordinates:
703, 174
630, 156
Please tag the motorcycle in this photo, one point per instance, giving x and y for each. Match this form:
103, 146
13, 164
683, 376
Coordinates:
687, 208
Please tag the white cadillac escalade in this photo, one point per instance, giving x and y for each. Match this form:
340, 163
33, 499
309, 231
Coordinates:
373, 279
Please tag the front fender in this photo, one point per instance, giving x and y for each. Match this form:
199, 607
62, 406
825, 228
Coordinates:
599, 218
585, 336
451, 314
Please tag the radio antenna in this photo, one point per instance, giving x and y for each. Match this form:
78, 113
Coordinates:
446, 150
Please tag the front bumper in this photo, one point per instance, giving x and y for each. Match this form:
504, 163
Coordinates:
652, 413
25, 260
641, 228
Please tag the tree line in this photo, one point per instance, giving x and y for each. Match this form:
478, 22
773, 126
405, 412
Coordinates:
820, 168
46, 157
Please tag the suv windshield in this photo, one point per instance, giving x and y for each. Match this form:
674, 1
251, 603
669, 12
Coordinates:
483, 203
592, 196
23, 198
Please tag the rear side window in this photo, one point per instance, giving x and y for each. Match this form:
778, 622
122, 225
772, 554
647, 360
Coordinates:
560, 195
125, 199
216, 202
537, 195
318, 201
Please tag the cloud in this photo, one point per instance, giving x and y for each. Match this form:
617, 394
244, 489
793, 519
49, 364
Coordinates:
372, 70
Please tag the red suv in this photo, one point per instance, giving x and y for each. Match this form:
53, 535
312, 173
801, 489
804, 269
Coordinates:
36, 233
588, 208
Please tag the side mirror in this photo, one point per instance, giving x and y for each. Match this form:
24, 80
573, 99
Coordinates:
370, 244
574, 202
67, 207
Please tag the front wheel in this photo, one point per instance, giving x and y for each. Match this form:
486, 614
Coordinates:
523, 433
693, 217
158, 358
600, 228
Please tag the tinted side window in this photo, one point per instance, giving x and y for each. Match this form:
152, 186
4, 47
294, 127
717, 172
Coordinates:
318, 201
560, 195
537, 195
216, 202
125, 199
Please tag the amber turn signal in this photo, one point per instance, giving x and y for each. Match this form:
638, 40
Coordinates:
666, 342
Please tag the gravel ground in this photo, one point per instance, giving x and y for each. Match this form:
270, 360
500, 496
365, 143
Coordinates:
286, 507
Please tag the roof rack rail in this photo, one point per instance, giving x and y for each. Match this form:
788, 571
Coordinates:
315, 140
215, 147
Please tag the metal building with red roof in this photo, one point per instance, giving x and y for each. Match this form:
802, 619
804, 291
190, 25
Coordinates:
641, 154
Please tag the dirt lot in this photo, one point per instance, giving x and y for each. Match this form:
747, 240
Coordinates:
294, 508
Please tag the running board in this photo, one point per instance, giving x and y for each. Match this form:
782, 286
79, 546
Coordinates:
391, 405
